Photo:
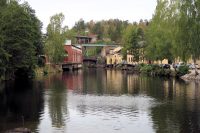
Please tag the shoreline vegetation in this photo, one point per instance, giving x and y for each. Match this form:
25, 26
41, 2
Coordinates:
47, 69
153, 70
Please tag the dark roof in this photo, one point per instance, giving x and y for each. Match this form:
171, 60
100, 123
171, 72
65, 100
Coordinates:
86, 37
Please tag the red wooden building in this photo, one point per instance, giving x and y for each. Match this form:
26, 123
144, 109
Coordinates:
73, 54
73, 58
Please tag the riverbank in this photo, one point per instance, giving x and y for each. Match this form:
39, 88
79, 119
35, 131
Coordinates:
148, 69
47, 69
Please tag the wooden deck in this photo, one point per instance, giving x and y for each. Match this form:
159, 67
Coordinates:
71, 66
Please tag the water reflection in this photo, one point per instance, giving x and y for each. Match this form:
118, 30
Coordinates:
21, 102
177, 106
56, 110
180, 113
98, 100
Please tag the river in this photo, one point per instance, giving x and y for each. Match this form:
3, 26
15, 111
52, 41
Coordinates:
100, 101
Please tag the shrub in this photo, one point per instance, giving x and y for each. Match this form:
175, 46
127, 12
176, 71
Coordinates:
182, 70
146, 69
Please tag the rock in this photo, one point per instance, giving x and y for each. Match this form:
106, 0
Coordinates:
191, 76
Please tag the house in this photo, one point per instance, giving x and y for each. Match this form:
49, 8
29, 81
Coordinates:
106, 50
115, 56
86, 39
73, 53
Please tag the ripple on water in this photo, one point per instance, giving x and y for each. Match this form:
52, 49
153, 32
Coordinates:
111, 113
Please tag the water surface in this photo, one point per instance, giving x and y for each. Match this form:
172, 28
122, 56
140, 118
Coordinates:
98, 100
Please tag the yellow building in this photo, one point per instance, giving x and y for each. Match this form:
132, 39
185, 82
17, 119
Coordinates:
165, 61
115, 56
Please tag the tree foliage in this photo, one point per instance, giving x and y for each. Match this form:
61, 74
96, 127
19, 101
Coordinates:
133, 40
20, 37
158, 34
174, 31
56, 35
107, 30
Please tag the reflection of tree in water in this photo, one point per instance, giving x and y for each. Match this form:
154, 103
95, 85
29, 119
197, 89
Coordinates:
22, 99
180, 114
94, 81
57, 102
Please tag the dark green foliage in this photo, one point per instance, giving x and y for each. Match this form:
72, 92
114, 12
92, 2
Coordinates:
182, 70
133, 40
80, 27
20, 39
107, 30
146, 69
154, 70
41, 61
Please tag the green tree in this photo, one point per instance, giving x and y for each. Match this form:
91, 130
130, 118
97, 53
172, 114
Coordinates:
158, 37
56, 35
80, 27
132, 41
189, 29
19, 35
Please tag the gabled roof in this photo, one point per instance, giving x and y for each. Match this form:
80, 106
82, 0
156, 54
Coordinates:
118, 49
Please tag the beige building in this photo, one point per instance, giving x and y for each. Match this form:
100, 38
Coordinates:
165, 61
115, 56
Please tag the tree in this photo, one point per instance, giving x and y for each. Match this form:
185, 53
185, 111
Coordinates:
19, 38
158, 37
80, 27
56, 35
98, 29
189, 28
132, 41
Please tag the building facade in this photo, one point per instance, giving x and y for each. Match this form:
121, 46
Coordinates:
73, 53
115, 56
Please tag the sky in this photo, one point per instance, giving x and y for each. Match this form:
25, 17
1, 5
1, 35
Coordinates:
74, 10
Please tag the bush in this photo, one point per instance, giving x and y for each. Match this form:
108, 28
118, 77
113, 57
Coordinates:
146, 69
154, 69
182, 70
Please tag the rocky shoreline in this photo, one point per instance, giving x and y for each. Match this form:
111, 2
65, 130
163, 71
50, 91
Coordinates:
191, 76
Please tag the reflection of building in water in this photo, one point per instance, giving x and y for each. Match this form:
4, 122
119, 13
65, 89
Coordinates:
94, 81
114, 81
132, 83
73, 80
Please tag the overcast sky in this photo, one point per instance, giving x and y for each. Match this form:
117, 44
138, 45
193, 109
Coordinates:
132, 10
